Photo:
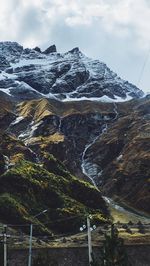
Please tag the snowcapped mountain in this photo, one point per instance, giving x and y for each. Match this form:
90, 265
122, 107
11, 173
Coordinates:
30, 73
48, 129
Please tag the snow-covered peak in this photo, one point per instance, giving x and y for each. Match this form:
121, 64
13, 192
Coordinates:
68, 76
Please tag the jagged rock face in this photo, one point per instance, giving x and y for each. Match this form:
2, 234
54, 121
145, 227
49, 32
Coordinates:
30, 74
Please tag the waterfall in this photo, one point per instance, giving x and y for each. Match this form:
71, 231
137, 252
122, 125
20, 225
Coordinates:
88, 168
60, 124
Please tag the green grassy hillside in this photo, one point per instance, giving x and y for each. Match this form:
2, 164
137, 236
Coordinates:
28, 188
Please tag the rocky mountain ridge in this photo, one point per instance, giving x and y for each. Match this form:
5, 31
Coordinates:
30, 73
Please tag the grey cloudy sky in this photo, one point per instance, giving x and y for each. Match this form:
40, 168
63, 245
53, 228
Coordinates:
114, 31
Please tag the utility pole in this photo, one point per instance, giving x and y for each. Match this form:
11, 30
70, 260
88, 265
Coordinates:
5, 245
30, 245
89, 240
30, 239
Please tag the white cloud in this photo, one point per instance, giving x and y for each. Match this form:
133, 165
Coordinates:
130, 16
127, 15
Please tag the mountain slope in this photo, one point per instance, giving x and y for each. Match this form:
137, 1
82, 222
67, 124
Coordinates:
55, 126
123, 155
27, 188
118, 159
67, 111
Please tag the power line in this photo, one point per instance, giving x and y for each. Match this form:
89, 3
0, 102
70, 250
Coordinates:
52, 222
143, 67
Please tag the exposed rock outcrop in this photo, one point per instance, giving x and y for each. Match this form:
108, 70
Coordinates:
50, 49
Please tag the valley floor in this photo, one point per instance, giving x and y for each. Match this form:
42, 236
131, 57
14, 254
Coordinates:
123, 213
